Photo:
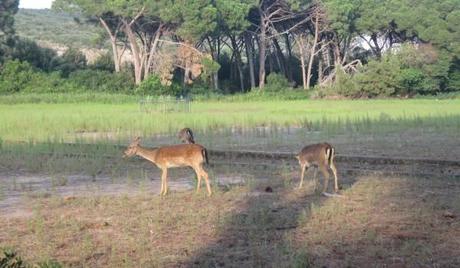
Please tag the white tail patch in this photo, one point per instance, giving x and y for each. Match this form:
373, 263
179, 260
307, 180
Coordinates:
328, 153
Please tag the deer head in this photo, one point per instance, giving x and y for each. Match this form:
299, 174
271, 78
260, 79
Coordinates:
132, 148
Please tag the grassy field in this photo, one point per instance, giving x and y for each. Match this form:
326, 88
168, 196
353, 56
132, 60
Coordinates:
76, 201
67, 122
391, 221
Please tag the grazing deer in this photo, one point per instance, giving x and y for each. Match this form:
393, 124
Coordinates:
181, 155
186, 136
322, 156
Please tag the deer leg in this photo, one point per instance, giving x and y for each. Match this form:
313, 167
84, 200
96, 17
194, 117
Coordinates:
198, 178
326, 177
206, 179
315, 174
334, 171
164, 182
303, 167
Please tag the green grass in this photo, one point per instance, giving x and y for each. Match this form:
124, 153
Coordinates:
66, 121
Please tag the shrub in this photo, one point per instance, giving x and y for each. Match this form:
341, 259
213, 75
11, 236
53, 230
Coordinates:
15, 75
104, 62
152, 86
378, 78
72, 60
99, 80
39, 57
344, 85
277, 82
406, 72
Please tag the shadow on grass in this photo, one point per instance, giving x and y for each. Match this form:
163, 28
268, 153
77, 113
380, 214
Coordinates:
257, 235
380, 221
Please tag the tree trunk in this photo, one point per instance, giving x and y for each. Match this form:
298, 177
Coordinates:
270, 59
262, 51
288, 61
280, 57
152, 52
320, 70
113, 42
250, 56
312, 51
237, 55
135, 51
302, 60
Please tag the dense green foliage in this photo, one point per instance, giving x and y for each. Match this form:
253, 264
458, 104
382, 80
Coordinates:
406, 72
21, 77
7, 10
399, 48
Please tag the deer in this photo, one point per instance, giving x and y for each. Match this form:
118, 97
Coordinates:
320, 155
180, 155
185, 135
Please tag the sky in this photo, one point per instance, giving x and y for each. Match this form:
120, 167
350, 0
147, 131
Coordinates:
35, 3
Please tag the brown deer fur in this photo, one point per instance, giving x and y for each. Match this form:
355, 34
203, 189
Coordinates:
322, 156
186, 135
181, 155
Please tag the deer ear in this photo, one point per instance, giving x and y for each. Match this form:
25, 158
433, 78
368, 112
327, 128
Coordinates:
137, 140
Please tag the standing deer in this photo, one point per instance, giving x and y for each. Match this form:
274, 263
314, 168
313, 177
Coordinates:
186, 136
181, 155
322, 156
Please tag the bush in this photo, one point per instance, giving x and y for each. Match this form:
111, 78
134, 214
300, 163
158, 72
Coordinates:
102, 81
15, 75
72, 60
277, 82
18, 76
344, 85
152, 86
406, 72
41, 58
378, 78
104, 62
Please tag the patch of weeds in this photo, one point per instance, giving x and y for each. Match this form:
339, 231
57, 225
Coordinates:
301, 259
286, 175
10, 259
304, 216
2, 194
49, 264
250, 182
59, 181
39, 194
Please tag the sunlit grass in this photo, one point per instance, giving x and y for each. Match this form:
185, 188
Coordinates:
59, 122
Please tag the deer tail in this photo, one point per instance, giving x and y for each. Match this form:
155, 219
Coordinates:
330, 152
204, 152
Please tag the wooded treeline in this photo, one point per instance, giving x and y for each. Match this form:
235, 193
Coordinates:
352, 47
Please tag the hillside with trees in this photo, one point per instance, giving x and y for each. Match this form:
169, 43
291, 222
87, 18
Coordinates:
57, 27
356, 49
